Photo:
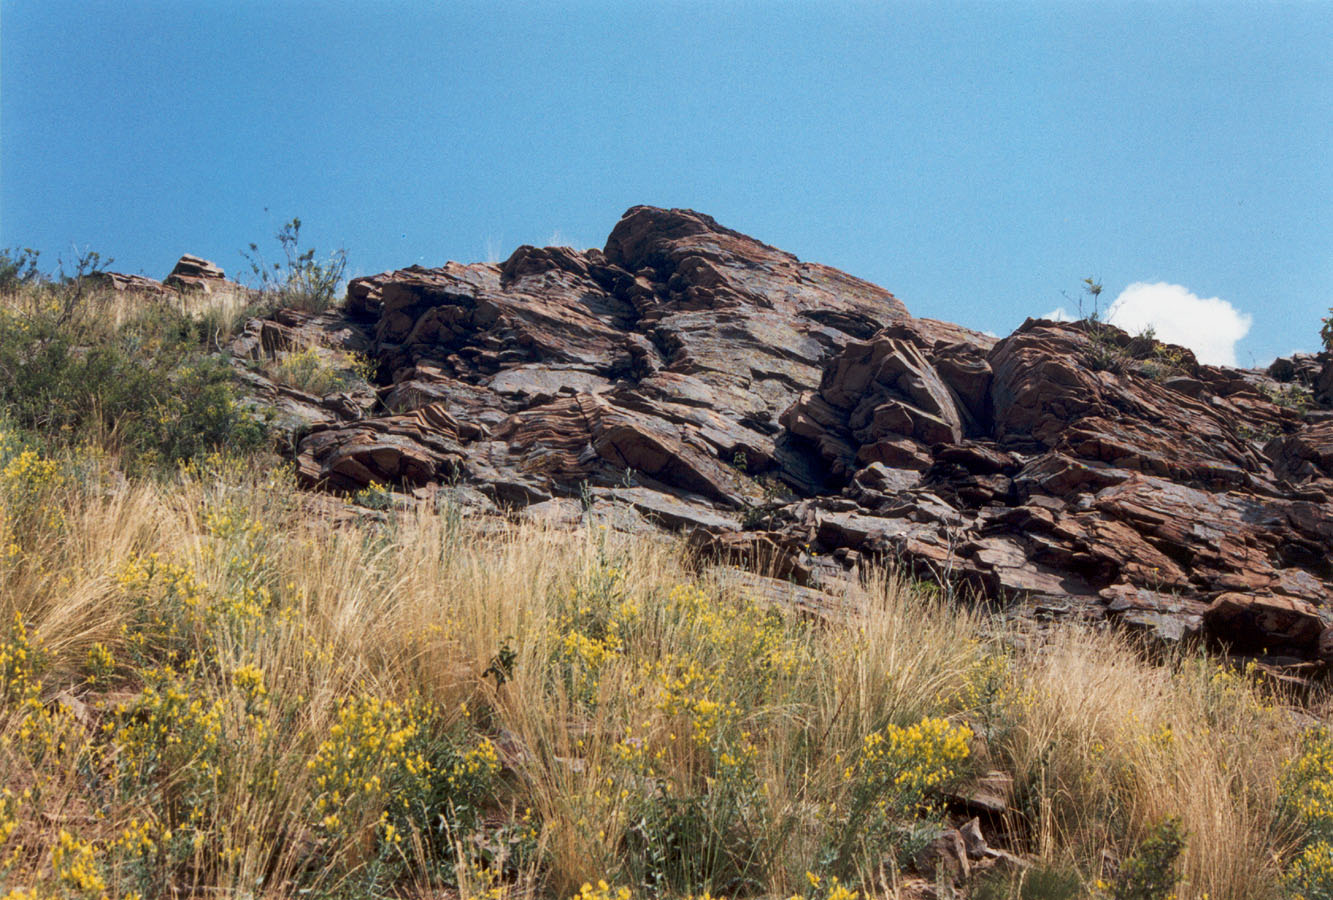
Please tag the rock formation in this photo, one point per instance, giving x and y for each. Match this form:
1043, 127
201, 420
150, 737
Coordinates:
190, 275
801, 422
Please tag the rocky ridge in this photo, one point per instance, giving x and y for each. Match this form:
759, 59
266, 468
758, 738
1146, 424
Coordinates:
800, 423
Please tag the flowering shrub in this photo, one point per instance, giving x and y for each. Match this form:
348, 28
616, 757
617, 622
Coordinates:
1307, 795
827, 889
41, 733
29, 497
592, 621
74, 864
170, 740
1310, 875
891, 777
19, 664
387, 767
602, 891
170, 609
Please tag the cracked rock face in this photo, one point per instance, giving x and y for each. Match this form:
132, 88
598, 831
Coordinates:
800, 421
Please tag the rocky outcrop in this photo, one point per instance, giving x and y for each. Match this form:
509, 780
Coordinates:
190, 275
667, 358
120, 282
801, 424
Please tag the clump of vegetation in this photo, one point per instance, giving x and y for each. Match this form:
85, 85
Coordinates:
1307, 798
1150, 873
81, 364
1112, 350
320, 371
18, 267
1291, 396
299, 280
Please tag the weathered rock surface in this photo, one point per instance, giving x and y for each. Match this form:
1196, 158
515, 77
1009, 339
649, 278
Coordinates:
135, 284
801, 423
190, 275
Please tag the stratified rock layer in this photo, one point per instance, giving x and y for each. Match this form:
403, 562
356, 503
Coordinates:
801, 422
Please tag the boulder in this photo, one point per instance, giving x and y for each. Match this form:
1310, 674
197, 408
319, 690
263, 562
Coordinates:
193, 274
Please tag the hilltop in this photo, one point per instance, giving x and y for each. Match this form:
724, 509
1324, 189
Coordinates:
679, 568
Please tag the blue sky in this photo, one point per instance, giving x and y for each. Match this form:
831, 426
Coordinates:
977, 159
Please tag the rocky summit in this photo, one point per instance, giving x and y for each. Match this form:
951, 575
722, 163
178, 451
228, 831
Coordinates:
801, 423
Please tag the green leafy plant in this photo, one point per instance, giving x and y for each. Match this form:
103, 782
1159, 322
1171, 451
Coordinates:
1150, 873
501, 666
300, 280
72, 372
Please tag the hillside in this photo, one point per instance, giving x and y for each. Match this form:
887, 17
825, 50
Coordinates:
802, 422
676, 568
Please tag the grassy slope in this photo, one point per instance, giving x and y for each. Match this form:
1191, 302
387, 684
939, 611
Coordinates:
209, 681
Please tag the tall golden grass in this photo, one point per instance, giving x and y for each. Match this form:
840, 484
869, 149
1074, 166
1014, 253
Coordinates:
629, 702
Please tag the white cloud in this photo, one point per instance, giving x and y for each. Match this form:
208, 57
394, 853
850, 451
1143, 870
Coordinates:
1059, 314
1210, 326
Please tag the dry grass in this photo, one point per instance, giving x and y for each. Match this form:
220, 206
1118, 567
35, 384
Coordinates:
1108, 745
648, 725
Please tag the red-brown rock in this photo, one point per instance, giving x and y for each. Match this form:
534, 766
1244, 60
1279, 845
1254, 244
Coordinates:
805, 424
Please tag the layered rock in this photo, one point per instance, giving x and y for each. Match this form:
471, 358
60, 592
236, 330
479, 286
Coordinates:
121, 282
190, 275
802, 424
670, 355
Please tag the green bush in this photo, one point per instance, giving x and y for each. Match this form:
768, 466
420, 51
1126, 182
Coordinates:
1150, 874
70, 373
1037, 883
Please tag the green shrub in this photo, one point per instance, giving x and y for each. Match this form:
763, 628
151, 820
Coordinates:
1037, 883
1150, 874
71, 372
